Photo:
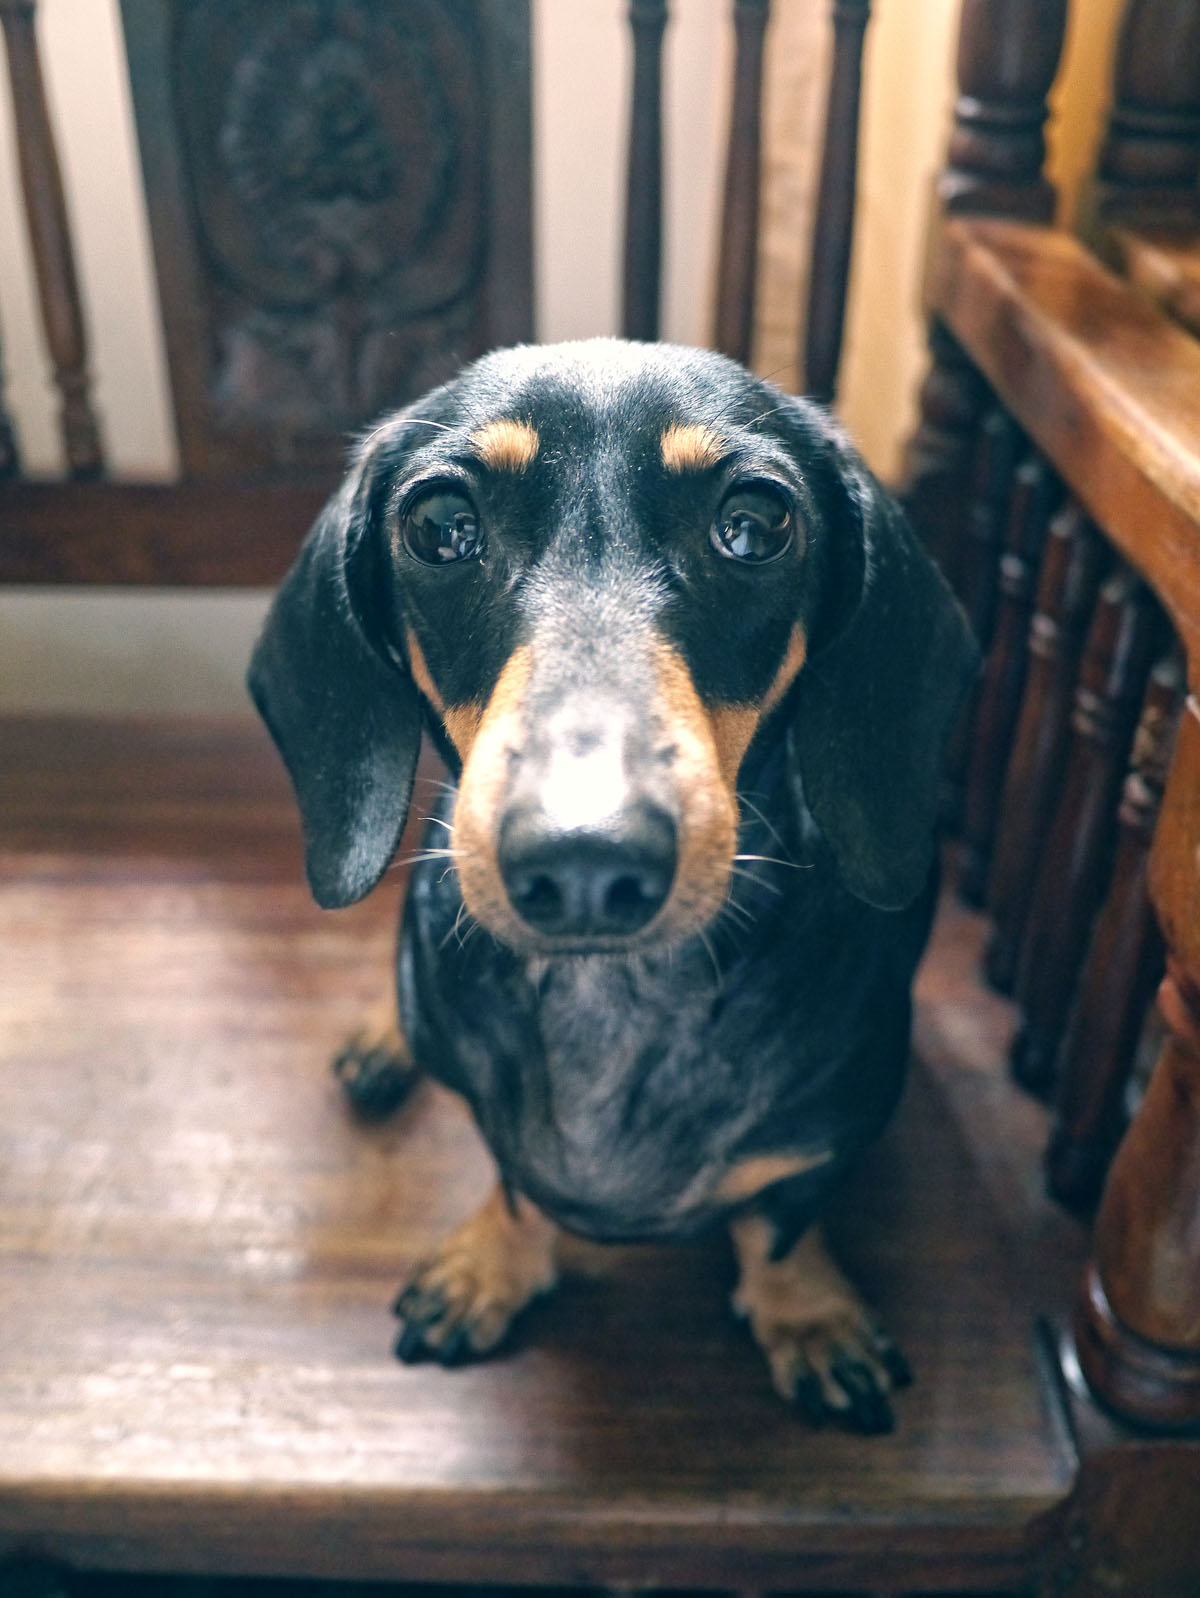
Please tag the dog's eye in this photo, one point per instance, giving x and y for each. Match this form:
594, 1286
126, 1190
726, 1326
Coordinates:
754, 524
441, 526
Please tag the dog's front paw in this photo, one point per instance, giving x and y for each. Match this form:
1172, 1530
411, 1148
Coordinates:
376, 1071
461, 1302
826, 1351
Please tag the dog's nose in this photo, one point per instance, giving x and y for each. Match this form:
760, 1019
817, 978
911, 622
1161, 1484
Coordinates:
588, 883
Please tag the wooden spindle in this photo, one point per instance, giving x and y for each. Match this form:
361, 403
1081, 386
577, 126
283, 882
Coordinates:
834, 228
1074, 867
1070, 575
643, 206
739, 213
1124, 965
991, 485
10, 455
1008, 53
1150, 160
50, 239
938, 459
1034, 495
1137, 1321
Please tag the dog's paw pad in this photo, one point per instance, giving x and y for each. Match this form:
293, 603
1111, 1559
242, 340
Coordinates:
376, 1076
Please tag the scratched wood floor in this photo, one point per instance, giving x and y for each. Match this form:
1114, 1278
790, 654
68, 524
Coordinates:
198, 1247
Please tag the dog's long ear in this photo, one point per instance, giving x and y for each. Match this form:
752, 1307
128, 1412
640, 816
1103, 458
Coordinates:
875, 705
343, 712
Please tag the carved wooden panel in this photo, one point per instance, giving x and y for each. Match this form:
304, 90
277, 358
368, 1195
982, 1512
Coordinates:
339, 200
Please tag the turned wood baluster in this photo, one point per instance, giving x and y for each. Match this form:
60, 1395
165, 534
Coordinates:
50, 239
1073, 870
834, 227
1137, 1321
10, 457
1035, 491
643, 205
939, 456
739, 215
1008, 52
1070, 575
1150, 159
991, 487
1124, 965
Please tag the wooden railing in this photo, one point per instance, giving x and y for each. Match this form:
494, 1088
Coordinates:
1057, 471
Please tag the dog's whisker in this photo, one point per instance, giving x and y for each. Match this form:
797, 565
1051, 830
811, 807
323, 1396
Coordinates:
774, 860
759, 882
745, 799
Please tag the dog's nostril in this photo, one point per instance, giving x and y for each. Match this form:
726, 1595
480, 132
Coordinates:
627, 899
537, 899
580, 884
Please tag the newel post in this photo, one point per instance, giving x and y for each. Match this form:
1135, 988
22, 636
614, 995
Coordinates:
1137, 1320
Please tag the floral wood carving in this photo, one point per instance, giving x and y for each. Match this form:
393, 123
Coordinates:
335, 152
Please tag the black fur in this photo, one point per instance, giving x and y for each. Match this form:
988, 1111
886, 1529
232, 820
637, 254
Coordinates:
617, 1090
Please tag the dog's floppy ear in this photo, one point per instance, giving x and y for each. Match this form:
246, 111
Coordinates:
875, 705
344, 713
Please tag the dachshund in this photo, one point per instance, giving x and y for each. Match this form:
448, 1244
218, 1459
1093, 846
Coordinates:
693, 676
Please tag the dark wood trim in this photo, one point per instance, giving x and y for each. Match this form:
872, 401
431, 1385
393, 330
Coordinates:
833, 230
736, 268
204, 534
643, 194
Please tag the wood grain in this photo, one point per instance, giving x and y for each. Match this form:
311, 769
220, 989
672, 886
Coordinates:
1109, 386
198, 1247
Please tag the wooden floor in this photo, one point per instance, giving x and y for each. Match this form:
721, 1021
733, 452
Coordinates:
198, 1247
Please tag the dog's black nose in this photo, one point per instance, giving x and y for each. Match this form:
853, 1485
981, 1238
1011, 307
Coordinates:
588, 883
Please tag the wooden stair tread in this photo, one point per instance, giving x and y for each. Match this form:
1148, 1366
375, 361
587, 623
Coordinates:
198, 1247
1106, 385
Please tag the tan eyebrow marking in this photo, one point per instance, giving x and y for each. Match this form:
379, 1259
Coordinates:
460, 721
506, 446
691, 447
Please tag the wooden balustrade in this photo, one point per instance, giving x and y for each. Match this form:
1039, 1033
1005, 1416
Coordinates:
738, 259
833, 229
643, 206
1124, 966
1149, 165
1034, 496
50, 239
1070, 575
1008, 52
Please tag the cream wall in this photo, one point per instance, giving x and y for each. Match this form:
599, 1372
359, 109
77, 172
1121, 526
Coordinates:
141, 651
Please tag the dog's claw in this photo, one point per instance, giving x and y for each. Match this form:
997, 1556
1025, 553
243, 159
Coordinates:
410, 1345
871, 1411
807, 1394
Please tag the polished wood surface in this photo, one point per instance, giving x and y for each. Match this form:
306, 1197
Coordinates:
1165, 264
200, 1246
1106, 383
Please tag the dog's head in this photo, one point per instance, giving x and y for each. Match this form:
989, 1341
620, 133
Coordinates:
603, 569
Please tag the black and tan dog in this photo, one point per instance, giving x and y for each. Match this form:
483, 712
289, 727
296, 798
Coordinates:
693, 676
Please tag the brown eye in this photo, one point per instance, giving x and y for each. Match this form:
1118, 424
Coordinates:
754, 524
441, 526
